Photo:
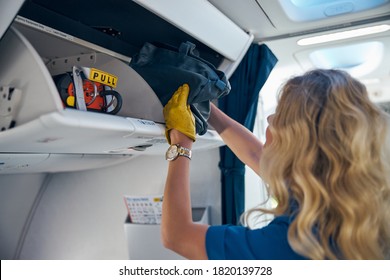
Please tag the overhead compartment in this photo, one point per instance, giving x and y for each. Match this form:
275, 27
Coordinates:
38, 130
204, 22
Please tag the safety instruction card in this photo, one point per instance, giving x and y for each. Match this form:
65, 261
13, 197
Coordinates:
144, 209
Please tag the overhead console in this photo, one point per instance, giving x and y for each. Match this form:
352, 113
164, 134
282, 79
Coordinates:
39, 133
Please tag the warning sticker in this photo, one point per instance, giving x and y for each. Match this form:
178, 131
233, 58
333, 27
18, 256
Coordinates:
103, 77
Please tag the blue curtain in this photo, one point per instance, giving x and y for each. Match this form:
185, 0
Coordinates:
241, 105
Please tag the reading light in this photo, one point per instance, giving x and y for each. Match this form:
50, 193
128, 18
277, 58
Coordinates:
343, 35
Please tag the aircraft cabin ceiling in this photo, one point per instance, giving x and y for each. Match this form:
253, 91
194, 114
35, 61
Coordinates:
270, 20
281, 24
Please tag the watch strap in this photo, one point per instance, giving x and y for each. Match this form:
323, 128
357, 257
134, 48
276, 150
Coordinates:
184, 152
176, 150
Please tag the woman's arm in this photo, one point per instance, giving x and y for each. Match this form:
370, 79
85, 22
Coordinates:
179, 232
244, 144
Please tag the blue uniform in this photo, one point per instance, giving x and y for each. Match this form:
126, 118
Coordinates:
229, 242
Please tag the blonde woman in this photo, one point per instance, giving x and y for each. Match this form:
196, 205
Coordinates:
325, 161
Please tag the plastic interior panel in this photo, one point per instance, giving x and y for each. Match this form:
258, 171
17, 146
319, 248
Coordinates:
15, 163
141, 236
21, 67
73, 131
76, 132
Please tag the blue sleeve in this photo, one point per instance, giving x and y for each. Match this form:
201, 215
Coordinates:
229, 242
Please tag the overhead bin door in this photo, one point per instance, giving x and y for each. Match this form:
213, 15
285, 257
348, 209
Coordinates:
8, 11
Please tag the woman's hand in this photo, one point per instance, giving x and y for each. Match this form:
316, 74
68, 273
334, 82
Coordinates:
178, 115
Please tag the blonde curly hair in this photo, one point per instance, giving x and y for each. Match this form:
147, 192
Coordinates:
329, 157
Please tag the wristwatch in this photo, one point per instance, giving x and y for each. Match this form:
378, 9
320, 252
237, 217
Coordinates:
175, 150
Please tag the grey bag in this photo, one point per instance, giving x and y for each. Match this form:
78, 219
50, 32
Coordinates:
165, 68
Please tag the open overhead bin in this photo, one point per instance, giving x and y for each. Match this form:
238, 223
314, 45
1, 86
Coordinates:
49, 38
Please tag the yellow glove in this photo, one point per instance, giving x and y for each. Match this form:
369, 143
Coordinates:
178, 115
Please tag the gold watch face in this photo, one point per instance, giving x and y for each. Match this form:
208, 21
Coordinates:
172, 152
